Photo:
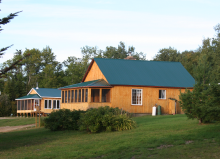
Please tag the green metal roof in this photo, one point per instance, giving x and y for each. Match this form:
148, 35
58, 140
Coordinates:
48, 92
145, 73
95, 83
30, 96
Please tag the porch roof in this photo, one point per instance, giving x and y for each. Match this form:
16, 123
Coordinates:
95, 83
30, 96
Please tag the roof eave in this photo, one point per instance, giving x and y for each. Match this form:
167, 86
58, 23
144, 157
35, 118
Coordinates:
154, 86
87, 87
87, 71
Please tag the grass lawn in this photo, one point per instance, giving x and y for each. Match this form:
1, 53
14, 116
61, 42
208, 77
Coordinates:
15, 121
155, 137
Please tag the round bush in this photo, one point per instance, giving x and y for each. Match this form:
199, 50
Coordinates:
105, 119
63, 119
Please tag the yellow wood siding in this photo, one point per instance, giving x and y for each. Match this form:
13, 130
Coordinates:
33, 92
43, 109
95, 73
121, 97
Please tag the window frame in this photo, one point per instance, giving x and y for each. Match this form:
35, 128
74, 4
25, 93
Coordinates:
56, 104
161, 92
136, 96
48, 103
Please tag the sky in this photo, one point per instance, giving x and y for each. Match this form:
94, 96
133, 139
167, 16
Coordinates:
68, 25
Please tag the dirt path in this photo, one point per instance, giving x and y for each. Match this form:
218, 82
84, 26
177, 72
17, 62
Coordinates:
11, 128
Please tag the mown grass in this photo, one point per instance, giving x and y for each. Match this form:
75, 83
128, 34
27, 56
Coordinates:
155, 137
15, 121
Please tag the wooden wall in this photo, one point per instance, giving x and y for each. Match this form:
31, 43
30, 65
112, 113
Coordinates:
121, 97
95, 73
48, 110
33, 92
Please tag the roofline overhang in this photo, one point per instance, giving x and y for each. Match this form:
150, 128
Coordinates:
50, 97
153, 86
35, 91
87, 87
90, 65
28, 98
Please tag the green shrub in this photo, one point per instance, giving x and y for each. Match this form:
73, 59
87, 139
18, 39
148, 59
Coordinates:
105, 119
63, 119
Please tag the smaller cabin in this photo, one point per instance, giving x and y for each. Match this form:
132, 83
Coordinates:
47, 99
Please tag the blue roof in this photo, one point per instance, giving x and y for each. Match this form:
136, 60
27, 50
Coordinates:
145, 73
95, 83
30, 96
48, 92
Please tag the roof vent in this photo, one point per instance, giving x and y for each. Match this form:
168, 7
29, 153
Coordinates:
37, 85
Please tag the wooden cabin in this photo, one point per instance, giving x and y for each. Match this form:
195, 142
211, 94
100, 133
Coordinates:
47, 99
133, 85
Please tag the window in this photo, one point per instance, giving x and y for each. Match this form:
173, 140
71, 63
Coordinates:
72, 99
105, 95
62, 96
136, 97
48, 104
162, 94
56, 104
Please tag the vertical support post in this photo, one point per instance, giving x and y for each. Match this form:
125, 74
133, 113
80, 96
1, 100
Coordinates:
35, 119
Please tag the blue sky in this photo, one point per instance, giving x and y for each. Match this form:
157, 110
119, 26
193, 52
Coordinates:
68, 25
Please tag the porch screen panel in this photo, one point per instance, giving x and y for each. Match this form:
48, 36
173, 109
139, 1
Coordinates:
95, 95
68, 96
19, 105
22, 105
105, 95
86, 95
72, 99
62, 96
65, 96
25, 105
79, 96
45, 104
75, 95
29, 104
83, 95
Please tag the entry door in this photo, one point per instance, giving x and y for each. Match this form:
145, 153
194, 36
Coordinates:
36, 104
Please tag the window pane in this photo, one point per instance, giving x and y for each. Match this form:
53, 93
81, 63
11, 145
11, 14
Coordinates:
54, 104
49, 105
86, 97
75, 95
45, 104
72, 99
95, 95
22, 105
62, 96
162, 94
58, 104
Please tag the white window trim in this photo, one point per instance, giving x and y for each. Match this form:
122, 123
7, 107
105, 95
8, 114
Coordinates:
165, 93
141, 96
48, 103
56, 104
